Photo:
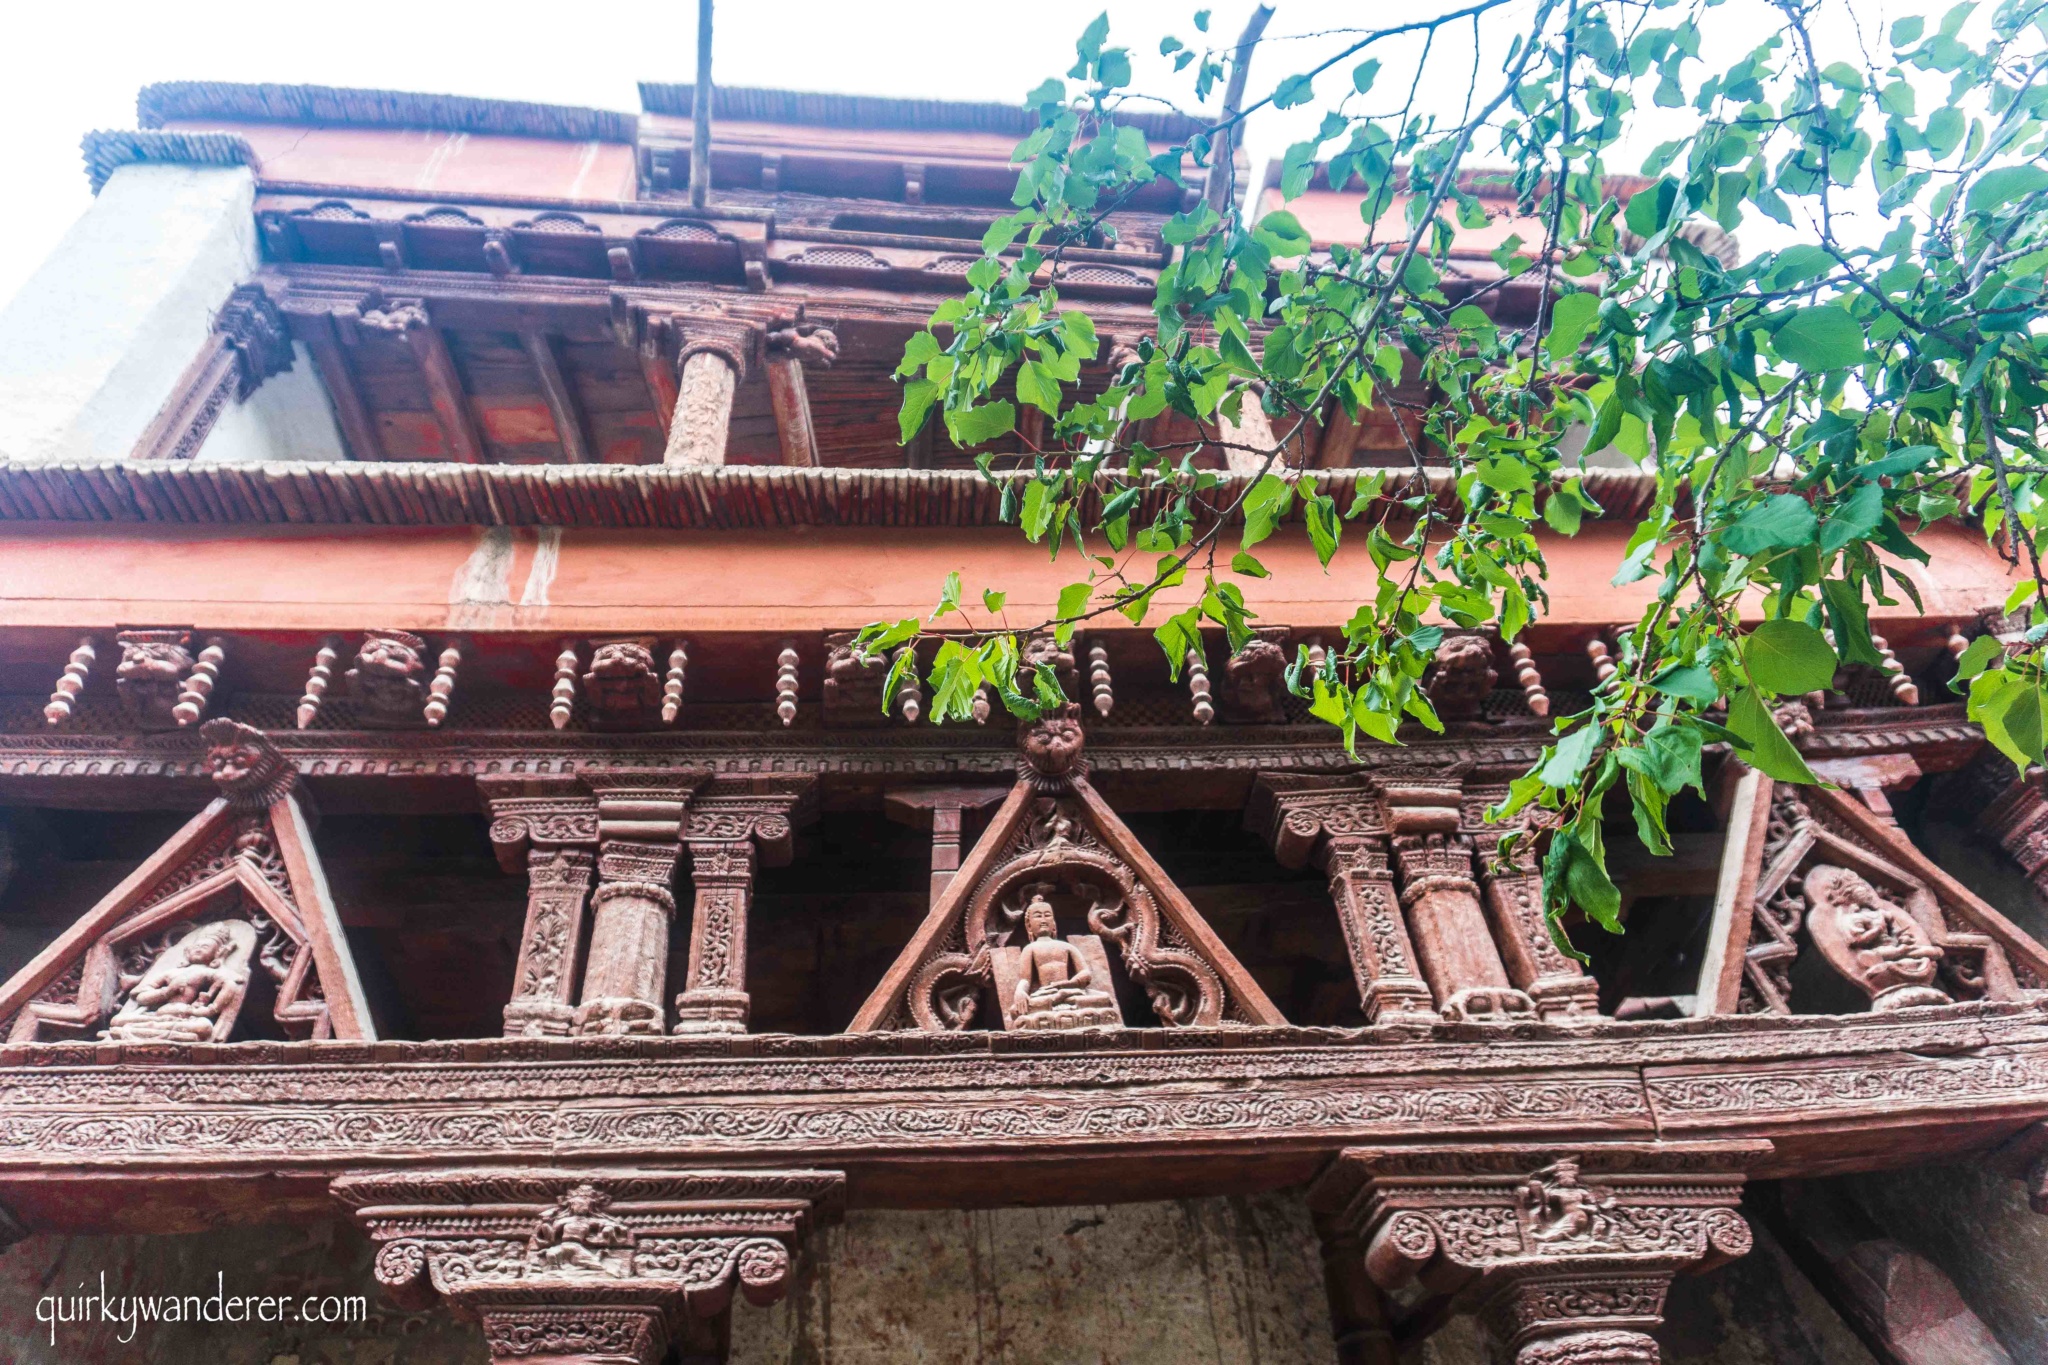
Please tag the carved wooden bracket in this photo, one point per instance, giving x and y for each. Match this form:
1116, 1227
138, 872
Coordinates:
1565, 1255
249, 343
598, 1267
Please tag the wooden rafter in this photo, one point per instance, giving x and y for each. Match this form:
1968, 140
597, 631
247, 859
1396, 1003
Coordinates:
791, 399
446, 393
358, 431
570, 425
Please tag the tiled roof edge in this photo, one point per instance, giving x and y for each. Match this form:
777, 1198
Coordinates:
883, 111
106, 151
157, 104
446, 494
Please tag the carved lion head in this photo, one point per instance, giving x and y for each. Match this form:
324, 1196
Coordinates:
1051, 747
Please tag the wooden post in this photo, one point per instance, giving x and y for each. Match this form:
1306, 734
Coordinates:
792, 403
713, 359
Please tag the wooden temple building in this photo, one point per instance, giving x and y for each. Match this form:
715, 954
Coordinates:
439, 808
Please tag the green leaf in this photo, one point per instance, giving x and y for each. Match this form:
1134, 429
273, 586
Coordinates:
1570, 319
1854, 518
1569, 757
1907, 31
1292, 91
1249, 567
1976, 658
1324, 526
994, 600
1995, 189
1583, 881
1821, 338
2013, 718
1769, 752
1782, 521
1037, 387
1281, 233
1073, 601
1689, 682
1363, 75
918, 396
978, 425
1789, 658
1505, 475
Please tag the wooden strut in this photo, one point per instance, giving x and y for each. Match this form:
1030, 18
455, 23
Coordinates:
571, 427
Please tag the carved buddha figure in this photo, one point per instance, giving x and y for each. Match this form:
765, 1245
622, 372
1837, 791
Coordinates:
578, 1236
1051, 977
190, 991
1870, 940
387, 673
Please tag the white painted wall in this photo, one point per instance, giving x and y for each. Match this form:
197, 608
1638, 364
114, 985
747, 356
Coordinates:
92, 345
287, 418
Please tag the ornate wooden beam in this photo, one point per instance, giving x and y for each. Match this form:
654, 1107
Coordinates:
249, 343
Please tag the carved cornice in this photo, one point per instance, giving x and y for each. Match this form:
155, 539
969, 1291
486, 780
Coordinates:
1843, 1088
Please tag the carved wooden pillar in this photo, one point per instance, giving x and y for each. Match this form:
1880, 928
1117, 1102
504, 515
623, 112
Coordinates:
941, 810
1565, 1257
639, 826
588, 1267
727, 823
548, 828
1514, 900
249, 343
712, 359
1339, 823
1452, 940
1360, 1323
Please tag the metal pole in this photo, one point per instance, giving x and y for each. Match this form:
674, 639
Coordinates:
700, 112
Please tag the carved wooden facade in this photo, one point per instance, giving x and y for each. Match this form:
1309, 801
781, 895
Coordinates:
620, 1149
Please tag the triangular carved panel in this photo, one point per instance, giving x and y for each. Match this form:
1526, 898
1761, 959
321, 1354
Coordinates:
1055, 860
232, 909
1821, 873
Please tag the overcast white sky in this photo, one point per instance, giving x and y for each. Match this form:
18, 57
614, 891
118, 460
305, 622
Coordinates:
70, 67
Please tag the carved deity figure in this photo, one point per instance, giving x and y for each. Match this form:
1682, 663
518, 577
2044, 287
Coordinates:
1055, 988
579, 1237
387, 673
1462, 677
151, 673
622, 686
191, 993
1870, 940
1557, 1209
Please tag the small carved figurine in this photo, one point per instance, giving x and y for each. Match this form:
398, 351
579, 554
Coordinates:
1254, 680
853, 686
1055, 988
578, 1237
151, 673
244, 764
1461, 677
1051, 749
192, 992
622, 687
1556, 1208
805, 343
386, 676
1873, 943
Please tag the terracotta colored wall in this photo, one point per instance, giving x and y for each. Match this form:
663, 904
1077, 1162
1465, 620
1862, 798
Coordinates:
428, 160
808, 578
